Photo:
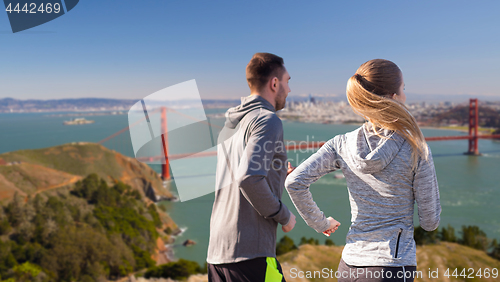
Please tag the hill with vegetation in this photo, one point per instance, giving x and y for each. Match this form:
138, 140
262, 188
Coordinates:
91, 232
436, 251
80, 212
472, 255
30, 172
442, 256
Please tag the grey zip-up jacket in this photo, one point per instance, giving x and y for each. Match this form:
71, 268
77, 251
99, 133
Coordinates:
382, 190
250, 177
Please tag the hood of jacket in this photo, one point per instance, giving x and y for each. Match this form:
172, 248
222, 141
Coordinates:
235, 115
371, 152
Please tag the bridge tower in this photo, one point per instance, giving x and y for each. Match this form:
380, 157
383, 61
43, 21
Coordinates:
165, 166
473, 126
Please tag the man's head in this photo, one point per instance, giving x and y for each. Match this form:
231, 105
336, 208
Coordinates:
268, 77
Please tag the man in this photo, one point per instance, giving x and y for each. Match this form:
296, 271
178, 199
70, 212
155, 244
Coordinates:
251, 171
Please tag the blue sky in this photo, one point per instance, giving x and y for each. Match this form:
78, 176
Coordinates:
130, 49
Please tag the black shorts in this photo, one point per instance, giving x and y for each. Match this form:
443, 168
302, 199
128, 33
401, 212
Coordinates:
264, 269
349, 273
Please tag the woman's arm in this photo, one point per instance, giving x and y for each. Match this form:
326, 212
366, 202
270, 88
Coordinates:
426, 192
297, 184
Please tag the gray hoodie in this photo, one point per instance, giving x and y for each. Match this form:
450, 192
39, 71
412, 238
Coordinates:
250, 177
382, 190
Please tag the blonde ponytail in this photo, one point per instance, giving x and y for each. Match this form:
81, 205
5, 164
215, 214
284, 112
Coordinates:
369, 93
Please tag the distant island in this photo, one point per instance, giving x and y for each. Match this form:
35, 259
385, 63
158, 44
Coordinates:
77, 121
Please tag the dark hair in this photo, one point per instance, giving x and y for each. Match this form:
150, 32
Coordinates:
261, 68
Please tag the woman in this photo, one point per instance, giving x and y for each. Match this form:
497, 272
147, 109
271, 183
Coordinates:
388, 166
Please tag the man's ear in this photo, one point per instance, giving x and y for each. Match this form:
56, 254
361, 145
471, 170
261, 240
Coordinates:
274, 84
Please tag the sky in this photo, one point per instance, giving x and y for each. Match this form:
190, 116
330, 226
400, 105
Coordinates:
130, 49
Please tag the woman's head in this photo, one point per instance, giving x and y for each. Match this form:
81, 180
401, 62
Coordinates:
376, 92
380, 77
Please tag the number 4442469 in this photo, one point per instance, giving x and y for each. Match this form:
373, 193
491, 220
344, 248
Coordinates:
472, 273
32, 8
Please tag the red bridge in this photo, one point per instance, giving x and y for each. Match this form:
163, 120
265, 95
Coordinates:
473, 131
473, 138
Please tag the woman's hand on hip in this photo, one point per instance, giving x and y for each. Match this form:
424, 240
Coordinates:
334, 225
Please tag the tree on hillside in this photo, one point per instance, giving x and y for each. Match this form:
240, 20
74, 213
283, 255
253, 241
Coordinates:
285, 245
154, 214
496, 249
27, 272
93, 233
4, 222
329, 242
88, 186
474, 237
14, 210
74, 252
310, 241
29, 211
448, 234
178, 270
423, 237
7, 259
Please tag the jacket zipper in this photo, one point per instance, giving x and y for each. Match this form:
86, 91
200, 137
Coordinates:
397, 242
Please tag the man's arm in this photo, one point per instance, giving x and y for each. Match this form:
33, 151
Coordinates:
258, 193
255, 165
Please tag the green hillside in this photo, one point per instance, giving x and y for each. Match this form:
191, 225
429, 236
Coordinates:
32, 171
88, 233
303, 261
79, 211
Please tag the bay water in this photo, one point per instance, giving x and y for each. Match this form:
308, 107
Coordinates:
469, 185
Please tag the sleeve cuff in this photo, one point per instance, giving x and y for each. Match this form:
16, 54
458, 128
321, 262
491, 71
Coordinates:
283, 215
324, 226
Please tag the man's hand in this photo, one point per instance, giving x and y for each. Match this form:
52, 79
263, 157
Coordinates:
334, 225
290, 168
290, 225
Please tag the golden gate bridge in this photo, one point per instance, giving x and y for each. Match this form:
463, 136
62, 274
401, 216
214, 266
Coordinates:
472, 137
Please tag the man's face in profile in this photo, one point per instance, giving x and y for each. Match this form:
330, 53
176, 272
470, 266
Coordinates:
283, 90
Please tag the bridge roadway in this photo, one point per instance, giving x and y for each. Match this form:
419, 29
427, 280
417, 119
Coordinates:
301, 145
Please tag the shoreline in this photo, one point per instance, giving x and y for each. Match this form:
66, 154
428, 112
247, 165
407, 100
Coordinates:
481, 130
444, 128
459, 128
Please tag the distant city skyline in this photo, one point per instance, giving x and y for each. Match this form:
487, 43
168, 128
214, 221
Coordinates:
130, 49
